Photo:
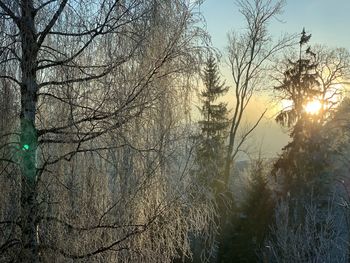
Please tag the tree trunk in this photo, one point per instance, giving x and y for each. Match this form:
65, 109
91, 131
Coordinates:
28, 137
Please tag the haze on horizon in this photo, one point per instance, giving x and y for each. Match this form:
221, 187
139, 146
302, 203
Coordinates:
104, 159
325, 20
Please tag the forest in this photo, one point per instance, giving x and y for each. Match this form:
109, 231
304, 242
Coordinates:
121, 140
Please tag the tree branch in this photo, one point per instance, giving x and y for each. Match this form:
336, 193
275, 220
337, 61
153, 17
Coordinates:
52, 22
10, 13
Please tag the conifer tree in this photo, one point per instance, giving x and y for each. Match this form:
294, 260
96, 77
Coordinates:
251, 224
299, 84
213, 125
302, 161
210, 151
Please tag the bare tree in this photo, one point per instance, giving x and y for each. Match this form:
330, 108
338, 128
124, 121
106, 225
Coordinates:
321, 237
88, 73
333, 71
249, 55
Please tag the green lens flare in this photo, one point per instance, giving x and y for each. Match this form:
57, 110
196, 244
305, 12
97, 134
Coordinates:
25, 147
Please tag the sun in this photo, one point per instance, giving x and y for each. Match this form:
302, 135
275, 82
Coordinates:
313, 107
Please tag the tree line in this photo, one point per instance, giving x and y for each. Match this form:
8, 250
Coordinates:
100, 160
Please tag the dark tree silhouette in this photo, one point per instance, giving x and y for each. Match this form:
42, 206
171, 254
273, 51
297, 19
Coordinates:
213, 125
210, 151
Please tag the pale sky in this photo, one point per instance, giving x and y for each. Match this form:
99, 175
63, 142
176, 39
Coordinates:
327, 20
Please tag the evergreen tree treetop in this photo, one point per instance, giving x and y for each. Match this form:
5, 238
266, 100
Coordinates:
214, 114
214, 87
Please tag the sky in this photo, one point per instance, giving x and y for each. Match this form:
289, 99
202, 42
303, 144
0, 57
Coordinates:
327, 20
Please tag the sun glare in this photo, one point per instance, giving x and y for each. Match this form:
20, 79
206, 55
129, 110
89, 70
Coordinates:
287, 104
313, 107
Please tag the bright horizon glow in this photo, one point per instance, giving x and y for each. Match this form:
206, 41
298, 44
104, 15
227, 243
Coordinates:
223, 17
287, 105
313, 107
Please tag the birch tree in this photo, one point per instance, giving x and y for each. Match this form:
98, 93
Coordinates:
249, 54
85, 71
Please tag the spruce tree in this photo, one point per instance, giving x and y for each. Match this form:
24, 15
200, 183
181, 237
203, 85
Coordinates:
210, 153
303, 161
250, 226
210, 150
